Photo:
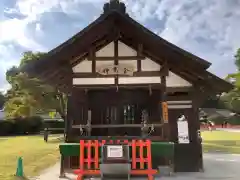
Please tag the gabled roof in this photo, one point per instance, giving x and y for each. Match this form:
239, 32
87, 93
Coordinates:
213, 112
115, 23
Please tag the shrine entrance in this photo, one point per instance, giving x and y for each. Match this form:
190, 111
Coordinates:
122, 107
115, 72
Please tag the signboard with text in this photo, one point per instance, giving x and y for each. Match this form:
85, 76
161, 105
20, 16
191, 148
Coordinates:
165, 112
183, 135
114, 151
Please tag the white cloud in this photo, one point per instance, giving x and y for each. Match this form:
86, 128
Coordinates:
207, 28
14, 30
7, 60
34, 8
213, 21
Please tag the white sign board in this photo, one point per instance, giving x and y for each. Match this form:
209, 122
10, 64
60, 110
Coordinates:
183, 135
114, 151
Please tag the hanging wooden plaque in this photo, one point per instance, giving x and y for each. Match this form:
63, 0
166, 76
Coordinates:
165, 112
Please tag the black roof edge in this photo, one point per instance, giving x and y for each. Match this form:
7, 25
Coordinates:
225, 85
206, 64
32, 65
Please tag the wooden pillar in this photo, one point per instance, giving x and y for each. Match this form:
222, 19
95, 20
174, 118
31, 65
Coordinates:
173, 115
68, 122
198, 98
116, 59
139, 54
77, 112
164, 103
76, 115
188, 156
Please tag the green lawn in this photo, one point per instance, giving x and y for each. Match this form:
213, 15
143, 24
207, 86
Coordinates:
37, 155
221, 141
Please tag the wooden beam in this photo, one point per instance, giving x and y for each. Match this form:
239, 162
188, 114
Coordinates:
108, 86
166, 128
132, 86
164, 82
97, 45
177, 67
74, 61
135, 74
116, 58
92, 58
75, 47
64, 70
164, 69
160, 46
178, 89
120, 58
62, 86
63, 80
139, 54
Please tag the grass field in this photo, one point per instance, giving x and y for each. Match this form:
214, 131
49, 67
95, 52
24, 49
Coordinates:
37, 155
221, 141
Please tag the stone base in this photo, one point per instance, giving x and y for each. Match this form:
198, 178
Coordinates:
120, 170
165, 170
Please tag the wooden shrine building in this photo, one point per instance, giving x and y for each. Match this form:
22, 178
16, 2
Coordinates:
117, 74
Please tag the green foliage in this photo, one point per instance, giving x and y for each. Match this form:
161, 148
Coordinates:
54, 124
30, 56
217, 120
20, 126
2, 100
232, 98
29, 125
28, 95
214, 102
237, 59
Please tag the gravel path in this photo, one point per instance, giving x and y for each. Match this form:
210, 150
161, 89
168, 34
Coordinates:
217, 166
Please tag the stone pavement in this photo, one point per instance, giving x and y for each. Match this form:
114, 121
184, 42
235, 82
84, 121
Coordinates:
217, 167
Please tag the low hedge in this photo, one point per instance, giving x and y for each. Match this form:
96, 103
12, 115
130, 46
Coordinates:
232, 120
54, 123
29, 125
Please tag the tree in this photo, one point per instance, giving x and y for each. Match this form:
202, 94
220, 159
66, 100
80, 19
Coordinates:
2, 100
28, 96
232, 98
214, 102
237, 59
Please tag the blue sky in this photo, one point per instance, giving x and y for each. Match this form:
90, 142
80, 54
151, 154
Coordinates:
208, 28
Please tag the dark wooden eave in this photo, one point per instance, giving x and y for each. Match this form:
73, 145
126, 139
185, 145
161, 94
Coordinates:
99, 33
99, 28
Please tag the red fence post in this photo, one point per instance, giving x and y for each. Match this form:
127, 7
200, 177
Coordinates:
138, 147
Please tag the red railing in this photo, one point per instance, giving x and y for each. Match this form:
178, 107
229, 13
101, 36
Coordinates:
90, 165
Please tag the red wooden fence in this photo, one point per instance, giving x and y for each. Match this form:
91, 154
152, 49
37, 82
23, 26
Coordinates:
90, 165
